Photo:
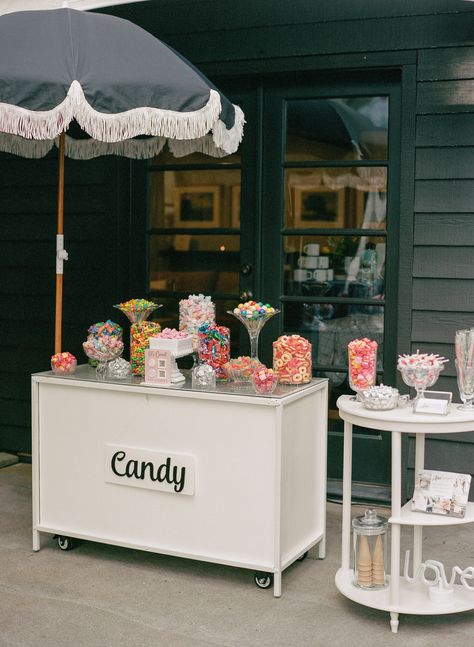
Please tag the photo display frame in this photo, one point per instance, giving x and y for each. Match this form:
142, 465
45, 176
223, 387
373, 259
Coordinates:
444, 493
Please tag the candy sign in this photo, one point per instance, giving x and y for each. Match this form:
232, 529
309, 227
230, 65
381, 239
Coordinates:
142, 468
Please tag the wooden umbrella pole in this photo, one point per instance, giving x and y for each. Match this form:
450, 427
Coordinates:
59, 246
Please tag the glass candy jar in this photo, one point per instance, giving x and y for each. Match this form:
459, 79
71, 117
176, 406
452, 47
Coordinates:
370, 550
362, 364
203, 376
214, 347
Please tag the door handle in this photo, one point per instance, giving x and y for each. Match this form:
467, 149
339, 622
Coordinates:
246, 295
246, 269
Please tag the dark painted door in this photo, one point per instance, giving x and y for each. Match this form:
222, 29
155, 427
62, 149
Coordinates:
329, 250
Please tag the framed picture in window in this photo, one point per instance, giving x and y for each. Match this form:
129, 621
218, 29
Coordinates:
318, 206
197, 206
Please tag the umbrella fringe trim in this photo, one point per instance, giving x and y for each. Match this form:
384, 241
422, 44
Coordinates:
145, 120
48, 124
229, 140
86, 149
39, 125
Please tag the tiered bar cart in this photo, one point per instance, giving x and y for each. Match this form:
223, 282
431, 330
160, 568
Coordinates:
256, 494
401, 596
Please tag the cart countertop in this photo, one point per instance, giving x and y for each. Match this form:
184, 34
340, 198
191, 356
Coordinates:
86, 376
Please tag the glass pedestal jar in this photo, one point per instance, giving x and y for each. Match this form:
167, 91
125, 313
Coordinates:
370, 550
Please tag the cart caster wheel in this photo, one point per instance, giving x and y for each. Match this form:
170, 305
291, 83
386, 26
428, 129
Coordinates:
263, 580
65, 543
303, 556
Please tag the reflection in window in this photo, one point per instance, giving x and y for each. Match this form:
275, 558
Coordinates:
197, 198
335, 266
343, 197
337, 129
191, 264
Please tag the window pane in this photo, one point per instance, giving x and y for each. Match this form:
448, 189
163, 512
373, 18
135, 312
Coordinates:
335, 266
337, 129
330, 328
353, 197
193, 264
202, 199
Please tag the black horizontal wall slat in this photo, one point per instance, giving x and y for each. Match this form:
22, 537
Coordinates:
445, 96
445, 130
444, 262
445, 163
439, 327
345, 36
440, 196
446, 63
160, 16
444, 228
443, 295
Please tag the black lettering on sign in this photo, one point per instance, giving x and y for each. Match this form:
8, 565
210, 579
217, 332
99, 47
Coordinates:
134, 469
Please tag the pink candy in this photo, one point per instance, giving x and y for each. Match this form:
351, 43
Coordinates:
264, 380
362, 363
63, 363
172, 333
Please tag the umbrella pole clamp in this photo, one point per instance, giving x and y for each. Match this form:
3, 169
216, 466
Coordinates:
61, 253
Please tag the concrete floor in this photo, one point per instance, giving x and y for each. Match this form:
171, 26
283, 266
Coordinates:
98, 595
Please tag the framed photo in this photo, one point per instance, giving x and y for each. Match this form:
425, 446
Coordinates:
197, 206
318, 206
443, 493
235, 206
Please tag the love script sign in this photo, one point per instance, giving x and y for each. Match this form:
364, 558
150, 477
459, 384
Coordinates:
152, 470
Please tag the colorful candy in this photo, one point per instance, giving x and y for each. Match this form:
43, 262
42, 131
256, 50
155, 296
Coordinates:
103, 347
421, 360
193, 312
214, 347
362, 357
136, 305
172, 333
241, 369
63, 363
254, 310
292, 359
105, 328
140, 334
264, 380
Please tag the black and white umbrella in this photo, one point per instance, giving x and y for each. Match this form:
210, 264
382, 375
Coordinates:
121, 89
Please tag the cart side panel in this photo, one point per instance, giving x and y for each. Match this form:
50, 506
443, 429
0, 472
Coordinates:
303, 473
230, 516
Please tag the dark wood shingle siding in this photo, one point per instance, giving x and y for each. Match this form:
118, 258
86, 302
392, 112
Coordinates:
443, 261
28, 213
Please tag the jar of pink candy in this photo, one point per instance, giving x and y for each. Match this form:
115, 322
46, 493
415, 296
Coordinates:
362, 362
264, 380
63, 363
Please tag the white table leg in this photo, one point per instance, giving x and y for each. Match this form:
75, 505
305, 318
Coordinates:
277, 584
396, 507
418, 530
346, 498
394, 622
322, 548
36, 540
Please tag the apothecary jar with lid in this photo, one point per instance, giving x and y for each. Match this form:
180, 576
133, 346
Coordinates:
370, 550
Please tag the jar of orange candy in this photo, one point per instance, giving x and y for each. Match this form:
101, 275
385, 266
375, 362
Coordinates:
292, 359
